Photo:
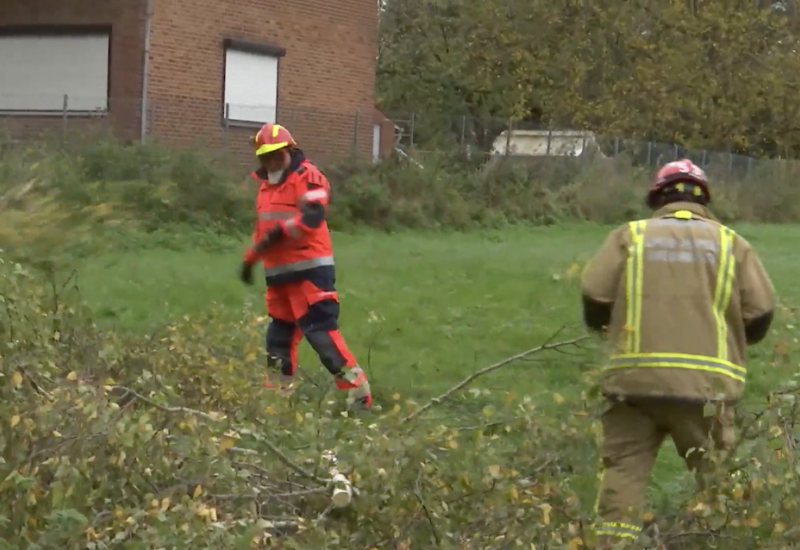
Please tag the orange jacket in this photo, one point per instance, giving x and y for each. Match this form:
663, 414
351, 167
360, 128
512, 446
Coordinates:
299, 205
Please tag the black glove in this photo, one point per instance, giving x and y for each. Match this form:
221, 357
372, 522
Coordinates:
275, 235
246, 273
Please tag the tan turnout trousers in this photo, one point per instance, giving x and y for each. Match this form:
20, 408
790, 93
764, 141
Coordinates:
633, 431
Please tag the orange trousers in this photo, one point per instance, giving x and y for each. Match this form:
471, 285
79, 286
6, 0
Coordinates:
302, 309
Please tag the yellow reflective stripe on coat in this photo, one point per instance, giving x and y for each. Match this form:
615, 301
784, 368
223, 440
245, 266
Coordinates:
722, 293
616, 529
634, 277
678, 361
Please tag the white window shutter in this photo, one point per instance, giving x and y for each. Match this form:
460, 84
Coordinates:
39, 70
251, 86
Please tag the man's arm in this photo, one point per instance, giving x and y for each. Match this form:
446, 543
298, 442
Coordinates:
313, 205
596, 315
600, 281
757, 295
252, 254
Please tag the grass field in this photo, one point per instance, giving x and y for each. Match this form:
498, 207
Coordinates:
427, 308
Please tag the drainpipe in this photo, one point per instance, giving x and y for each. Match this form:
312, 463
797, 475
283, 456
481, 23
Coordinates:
146, 68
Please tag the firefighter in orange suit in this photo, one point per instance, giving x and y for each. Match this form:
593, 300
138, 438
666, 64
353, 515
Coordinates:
293, 241
679, 296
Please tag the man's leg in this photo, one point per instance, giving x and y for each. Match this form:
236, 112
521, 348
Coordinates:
631, 440
283, 338
316, 307
693, 432
283, 334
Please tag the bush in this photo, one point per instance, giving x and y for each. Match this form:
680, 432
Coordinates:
109, 441
155, 187
113, 441
151, 185
446, 193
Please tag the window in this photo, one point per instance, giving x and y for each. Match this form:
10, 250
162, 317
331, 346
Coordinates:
251, 82
40, 68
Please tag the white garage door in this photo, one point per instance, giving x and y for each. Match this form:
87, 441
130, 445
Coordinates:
39, 70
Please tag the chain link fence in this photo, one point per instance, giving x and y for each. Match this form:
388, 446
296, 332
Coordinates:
491, 139
332, 135
226, 129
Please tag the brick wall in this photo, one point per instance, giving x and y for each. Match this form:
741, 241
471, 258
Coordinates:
326, 77
127, 18
326, 82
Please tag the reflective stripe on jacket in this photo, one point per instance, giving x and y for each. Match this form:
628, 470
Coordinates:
682, 286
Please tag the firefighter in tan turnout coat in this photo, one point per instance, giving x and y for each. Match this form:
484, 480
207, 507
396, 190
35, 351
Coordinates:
680, 297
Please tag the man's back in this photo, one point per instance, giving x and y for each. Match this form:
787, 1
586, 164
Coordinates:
682, 288
681, 296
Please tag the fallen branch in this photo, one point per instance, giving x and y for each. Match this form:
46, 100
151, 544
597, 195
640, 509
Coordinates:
342, 488
167, 408
271, 446
283, 458
486, 370
266, 496
428, 515
35, 385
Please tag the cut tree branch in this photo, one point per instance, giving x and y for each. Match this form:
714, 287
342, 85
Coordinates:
283, 458
486, 370
271, 446
428, 515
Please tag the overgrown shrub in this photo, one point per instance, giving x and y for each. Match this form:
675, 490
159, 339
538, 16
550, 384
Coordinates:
157, 187
446, 193
109, 441
153, 185
170, 441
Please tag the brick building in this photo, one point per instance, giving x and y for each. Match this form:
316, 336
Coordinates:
185, 71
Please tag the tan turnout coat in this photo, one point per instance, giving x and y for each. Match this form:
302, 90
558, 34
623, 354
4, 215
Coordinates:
682, 286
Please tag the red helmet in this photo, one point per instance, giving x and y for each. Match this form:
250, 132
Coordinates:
272, 137
678, 172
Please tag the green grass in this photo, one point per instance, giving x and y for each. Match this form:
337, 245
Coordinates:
448, 304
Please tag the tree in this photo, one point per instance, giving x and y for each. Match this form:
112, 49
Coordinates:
698, 73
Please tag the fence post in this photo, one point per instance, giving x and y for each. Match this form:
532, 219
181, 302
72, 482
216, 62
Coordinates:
463, 130
144, 127
583, 148
225, 127
65, 109
730, 160
411, 131
151, 124
510, 130
144, 109
649, 153
616, 147
549, 140
355, 133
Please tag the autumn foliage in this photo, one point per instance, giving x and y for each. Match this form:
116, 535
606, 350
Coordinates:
713, 75
112, 440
